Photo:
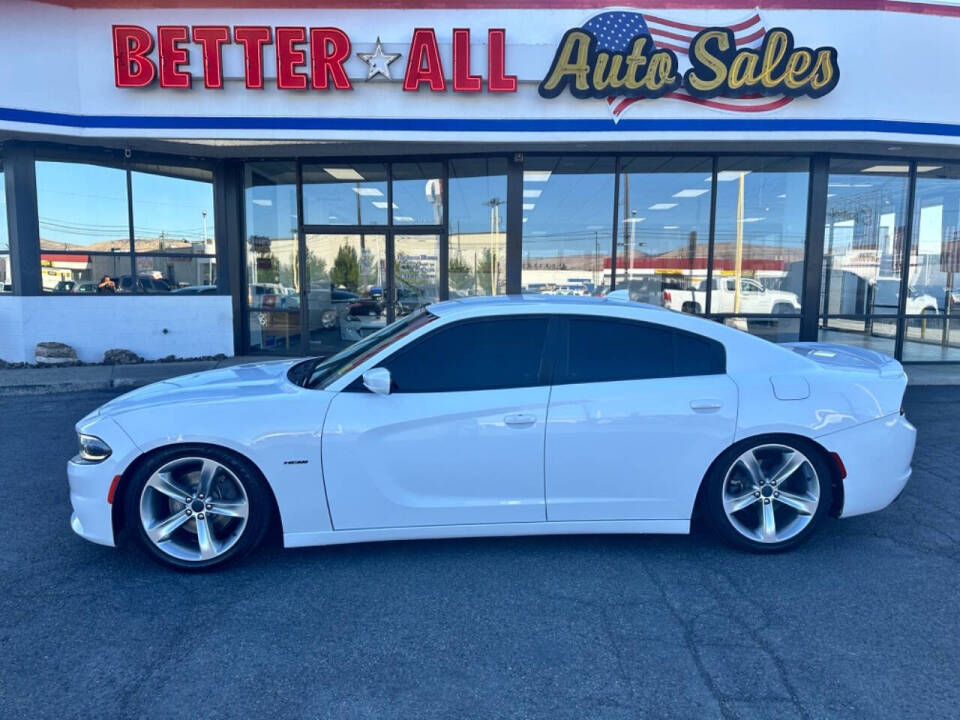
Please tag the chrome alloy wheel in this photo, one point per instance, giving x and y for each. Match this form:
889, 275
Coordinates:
193, 509
771, 493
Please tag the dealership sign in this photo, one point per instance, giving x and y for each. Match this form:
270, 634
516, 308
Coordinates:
624, 56
618, 56
329, 49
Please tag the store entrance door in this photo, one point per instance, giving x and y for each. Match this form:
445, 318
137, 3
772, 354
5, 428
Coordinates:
344, 289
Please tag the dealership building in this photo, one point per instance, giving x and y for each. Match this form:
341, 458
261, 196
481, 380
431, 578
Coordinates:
190, 178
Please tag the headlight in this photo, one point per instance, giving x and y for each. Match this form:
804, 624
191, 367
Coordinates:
93, 449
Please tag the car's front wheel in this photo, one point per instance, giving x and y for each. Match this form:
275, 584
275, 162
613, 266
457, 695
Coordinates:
770, 494
196, 508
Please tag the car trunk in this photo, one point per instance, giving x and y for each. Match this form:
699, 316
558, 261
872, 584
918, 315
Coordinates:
883, 375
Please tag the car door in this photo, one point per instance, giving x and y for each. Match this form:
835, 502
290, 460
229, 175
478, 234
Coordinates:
752, 298
637, 413
458, 440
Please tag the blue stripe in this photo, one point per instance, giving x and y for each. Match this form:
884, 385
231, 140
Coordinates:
475, 124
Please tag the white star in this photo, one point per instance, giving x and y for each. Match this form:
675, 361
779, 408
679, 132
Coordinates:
378, 62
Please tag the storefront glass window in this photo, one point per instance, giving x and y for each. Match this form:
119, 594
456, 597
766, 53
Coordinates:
567, 224
273, 285
418, 193
477, 227
760, 239
664, 231
863, 239
416, 270
82, 207
934, 283
173, 213
337, 194
84, 227
6, 277
85, 246
863, 251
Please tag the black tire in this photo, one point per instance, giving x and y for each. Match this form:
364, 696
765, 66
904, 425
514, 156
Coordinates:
784, 309
713, 493
259, 506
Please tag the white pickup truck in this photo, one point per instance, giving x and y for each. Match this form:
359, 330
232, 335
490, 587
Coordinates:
754, 298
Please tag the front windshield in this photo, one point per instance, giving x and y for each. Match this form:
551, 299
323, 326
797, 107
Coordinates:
322, 373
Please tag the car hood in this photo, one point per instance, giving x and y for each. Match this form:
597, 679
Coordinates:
230, 383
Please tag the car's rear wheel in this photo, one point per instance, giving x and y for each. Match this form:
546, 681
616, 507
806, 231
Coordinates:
197, 508
769, 495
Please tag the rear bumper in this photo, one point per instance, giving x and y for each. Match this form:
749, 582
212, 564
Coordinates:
877, 457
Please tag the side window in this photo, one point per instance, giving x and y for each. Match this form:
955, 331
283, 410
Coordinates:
488, 354
601, 350
697, 355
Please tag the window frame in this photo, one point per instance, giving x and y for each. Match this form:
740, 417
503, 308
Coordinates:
544, 372
562, 358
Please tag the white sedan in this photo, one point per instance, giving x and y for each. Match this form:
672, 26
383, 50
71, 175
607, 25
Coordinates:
500, 416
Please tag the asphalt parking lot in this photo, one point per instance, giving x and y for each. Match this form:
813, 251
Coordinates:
861, 622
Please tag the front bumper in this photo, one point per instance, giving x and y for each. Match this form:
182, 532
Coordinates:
877, 457
92, 516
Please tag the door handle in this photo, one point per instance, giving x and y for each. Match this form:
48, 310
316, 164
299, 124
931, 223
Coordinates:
520, 419
706, 405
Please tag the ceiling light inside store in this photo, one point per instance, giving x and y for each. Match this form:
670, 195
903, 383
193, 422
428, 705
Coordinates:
525, 219
343, 173
529, 206
263, 203
382, 204
670, 227
728, 175
532, 193
536, 175
634, 219
690, 193
402, 218
752, 219
887, 168
365, 191
662, 206
782, 196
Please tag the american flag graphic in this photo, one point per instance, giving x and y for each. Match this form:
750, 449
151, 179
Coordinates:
615, 31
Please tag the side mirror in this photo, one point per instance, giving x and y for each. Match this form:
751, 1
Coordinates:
377, 381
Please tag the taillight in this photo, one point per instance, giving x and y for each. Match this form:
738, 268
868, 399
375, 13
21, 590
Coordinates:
666, 296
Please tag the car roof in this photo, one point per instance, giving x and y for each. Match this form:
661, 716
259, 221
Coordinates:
492, 304
744, 351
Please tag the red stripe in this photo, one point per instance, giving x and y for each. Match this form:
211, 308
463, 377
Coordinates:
685, 49
697, 263
751, 37
657, 33
673, 23
743, 25
711, 103
886, 5
654, 32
